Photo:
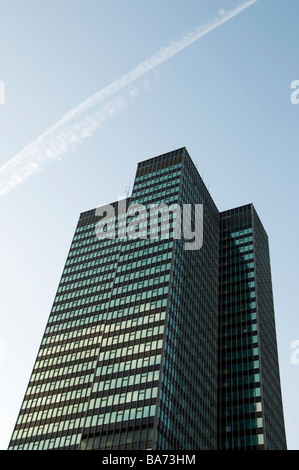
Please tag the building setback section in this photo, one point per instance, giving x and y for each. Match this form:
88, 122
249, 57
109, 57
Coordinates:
152, 346
250, 409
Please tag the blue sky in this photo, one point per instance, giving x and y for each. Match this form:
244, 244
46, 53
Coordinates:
226, 98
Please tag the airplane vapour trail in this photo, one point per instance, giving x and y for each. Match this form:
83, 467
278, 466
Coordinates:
79, 124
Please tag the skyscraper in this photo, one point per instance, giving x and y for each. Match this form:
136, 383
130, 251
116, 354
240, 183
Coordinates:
251, 413
155, 343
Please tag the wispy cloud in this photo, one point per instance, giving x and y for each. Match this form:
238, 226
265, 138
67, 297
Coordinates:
82, 121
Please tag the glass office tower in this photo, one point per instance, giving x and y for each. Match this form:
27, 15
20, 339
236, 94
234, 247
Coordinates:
138, 331
251, 414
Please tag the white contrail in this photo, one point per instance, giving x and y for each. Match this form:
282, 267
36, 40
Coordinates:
65, 134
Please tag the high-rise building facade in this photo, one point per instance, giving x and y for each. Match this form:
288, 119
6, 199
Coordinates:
153, 344
250, 406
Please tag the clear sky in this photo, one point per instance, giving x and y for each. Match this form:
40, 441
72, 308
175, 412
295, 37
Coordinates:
225, 97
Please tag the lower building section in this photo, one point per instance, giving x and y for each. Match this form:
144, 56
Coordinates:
121, 438
249, 385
